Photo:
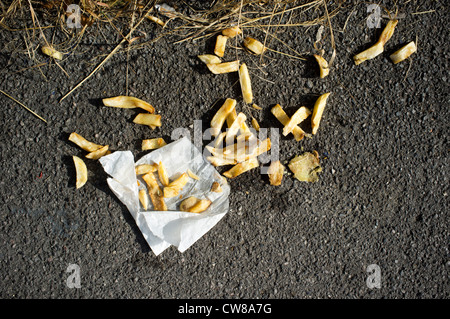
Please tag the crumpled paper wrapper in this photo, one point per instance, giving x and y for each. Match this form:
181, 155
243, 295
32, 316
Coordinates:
173, 227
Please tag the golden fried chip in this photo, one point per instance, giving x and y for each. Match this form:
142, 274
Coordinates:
306, 167
403, 53
145, 168
224, 67
254, 45
220, 161
153, 143
128, 102
319, 106
98, 153
246, 85
194, 205
81, 171
221, 43
192, 175
174, 187
50, 51
83, 143
255, 124
323, 66
299, 116
378, 47
234, 128
221, 115
162, 174
279, 113
232, 32
209, 59
275, 172
216, 188
151, 120
143, 198
240, 168
155, 192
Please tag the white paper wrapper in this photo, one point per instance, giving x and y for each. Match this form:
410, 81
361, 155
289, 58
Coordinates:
173, 227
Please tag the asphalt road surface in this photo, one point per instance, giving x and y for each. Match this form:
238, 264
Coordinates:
380, 209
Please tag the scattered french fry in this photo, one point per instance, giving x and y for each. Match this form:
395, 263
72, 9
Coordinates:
174, 187
232, 32
254, 45
234, 128
146, 168
194, 205
299, 116
221, 115
240, 168
156, 20
256, 107
98, 153
155, 192
378, 47
306, 167
403, 53
192, 175
84, 143
50, 51
279, 113
224, 67
162, 174
143, 198
209, 59
323, 66
220, 161
221, 43
255, 124
319, 106
153, 143
151, 120
81, 171
263, 146
246, 85
128, 102
275, 172
216, 188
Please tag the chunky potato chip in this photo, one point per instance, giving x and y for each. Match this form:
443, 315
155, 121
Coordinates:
145, 168
128, 102
234, 128
81, 171
84, 143
143, 198
174, 187
50, 51
224, 67
323, 66
254, 45
232, 32
299, 116
209, 59
216, 188
275, 172
219, 118
306, 167
220, 161
194, 205
246, 85
162, 174
319, 106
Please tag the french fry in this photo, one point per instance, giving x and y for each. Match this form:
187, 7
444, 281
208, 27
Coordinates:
263, 146
299, 116
218, 142
220, 161
158, 202
194, 205
323, 66
151, 120
192, 175
256, 107
98, 153
50, 51
279, 113
378, 47
221, 115
231, 32
155, 192
240, 168
128, 102
174, 187
246, 85
216, 188
200, 206
255, 124
156, 20
319, 106
162, 174
403, 53
146, 168
81, 171
275, 172
234, 128
224, 67
209, 59
84, 143
254, 45
153, 143
143, 198
221, 43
